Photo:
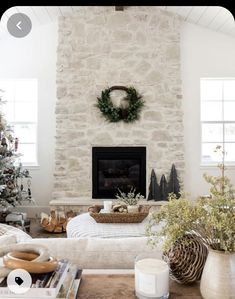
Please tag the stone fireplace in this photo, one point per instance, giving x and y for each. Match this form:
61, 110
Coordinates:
99, 47
116, 168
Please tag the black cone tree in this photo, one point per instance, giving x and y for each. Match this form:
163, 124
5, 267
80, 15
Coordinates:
163, 188
173, 183
154, 189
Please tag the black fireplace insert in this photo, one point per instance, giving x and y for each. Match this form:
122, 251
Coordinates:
116, 168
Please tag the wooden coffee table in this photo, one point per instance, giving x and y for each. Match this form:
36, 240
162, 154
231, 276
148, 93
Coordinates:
120, 284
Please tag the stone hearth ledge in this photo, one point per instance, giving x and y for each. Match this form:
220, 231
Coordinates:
80, 205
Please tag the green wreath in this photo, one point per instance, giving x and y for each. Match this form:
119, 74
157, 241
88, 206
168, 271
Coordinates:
115, 114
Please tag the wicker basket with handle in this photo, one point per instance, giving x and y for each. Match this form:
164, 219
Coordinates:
115, 217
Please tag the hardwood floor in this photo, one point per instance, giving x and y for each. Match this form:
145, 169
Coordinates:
36, 231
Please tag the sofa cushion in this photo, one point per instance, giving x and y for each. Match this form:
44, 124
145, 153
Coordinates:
84, 225
99, 253
7, 240
20, 235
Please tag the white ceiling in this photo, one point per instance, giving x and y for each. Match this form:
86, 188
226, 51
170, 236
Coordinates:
216, 18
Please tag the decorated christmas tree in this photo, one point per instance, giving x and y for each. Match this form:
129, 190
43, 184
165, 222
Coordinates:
12, 189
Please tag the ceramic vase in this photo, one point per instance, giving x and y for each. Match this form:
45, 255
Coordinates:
133, 209
218, 276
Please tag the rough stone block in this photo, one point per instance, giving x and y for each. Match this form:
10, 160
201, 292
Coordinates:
153, 116
161, 135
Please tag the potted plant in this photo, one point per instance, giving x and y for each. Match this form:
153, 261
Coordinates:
211, 219
130, 199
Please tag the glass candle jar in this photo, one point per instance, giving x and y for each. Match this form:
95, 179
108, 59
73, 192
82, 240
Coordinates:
151, 277
108, 205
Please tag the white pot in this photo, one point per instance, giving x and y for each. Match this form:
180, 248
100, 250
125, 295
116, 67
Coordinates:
218, 276
133, 209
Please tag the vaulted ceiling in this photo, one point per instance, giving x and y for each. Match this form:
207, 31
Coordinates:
216, 18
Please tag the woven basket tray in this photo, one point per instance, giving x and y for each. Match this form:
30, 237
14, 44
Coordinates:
116, 217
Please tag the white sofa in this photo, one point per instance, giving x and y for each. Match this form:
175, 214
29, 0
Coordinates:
87, 253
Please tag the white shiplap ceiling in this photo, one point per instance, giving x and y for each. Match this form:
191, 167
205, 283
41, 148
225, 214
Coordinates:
216, 18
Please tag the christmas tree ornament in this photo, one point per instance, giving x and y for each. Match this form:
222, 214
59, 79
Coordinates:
10, 184
14, 191
21, 185
26, 173
10, 138
16, 144
4, 141
29, 190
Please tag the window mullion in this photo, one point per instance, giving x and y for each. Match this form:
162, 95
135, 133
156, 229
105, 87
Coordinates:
207, 126
16, 104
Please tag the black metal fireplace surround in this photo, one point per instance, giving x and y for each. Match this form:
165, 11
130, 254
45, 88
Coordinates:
118, 167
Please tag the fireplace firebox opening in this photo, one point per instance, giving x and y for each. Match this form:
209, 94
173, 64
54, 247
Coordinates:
118, 167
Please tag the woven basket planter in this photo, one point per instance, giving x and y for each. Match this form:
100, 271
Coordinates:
115, 217
186, 260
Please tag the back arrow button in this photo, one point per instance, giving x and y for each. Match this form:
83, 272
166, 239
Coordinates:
18, 25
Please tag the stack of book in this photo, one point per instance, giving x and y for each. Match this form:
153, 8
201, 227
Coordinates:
62, 283
69, 288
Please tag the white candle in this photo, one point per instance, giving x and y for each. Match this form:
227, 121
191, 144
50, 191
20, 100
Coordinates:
151, 278
108, 205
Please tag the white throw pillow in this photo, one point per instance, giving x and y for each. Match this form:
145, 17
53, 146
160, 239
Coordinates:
20, 235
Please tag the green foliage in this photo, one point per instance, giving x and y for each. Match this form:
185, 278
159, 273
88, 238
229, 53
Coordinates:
115, 114
216, 226
221, 184
129, 198
211, 219
174, 218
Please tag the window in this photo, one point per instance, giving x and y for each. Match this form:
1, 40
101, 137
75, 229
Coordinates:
217, 119
20, 112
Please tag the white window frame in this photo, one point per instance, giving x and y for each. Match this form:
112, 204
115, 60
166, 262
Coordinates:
13, 123
222, 122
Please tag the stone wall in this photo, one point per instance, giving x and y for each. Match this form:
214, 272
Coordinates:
99, 47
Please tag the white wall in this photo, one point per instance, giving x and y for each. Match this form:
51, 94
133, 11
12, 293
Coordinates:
204, 53
35, 57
